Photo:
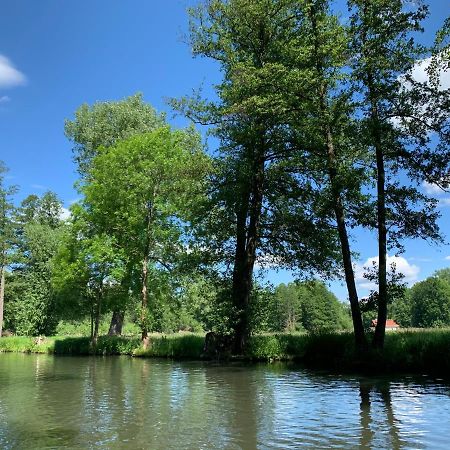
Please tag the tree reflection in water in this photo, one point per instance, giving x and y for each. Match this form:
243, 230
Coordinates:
373, 395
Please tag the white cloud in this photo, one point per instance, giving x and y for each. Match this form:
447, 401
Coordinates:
268, 262
432, 189
444, 201
410, 271
419, 73
4, 99
447, 258
65, 214
9, 75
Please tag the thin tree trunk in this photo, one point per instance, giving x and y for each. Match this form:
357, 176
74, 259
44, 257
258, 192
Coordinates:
2, 297
118, 315
358, 327
380, 329
144, 275
98, 311
144, 302
92, 319
339, 211
115, 328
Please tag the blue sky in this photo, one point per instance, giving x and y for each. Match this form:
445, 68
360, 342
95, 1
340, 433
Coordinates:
56, 55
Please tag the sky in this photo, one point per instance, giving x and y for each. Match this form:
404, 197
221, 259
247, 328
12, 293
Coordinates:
56, 55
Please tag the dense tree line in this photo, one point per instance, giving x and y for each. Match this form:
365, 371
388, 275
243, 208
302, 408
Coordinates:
322, 128
426, 304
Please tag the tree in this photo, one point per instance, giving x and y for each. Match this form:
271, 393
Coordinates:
289, 307
399, 140
321, 310
431, 303
38, 232
98, 127
266, 213
86, 270
140, 192
323, 131
396, 294
6, 233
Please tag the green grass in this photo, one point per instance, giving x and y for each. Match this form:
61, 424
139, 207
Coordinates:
24, 344
186, 345
419, 351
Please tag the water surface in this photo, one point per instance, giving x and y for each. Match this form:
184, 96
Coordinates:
121, 402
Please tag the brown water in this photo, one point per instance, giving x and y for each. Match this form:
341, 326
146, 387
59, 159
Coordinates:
121, 402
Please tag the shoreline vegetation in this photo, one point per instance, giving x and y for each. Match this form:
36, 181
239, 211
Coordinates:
406, 351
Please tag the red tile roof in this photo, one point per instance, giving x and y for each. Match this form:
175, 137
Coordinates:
389, 323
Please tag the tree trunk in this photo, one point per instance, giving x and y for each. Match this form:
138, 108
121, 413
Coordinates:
358, 327
118, 315
98, 311
2, 297
239, 295
380, 329
144, 302
339, 211
246, 255
115, 328
144, 276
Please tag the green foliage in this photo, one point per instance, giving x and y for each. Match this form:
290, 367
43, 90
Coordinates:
267, 347
309, 306
7, 228
140, 194
431, 303
264, 314
174, 346
31, 308
105, 123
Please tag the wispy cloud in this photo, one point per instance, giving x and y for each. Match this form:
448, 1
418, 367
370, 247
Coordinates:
38, 186
419, 259
9, 75
444, 201
447, 258
432, 189
4, 99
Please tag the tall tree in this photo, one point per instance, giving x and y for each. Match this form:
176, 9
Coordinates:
400, 139
321, 119
39, 229
140, 192
253, 193
7, 233
96, 128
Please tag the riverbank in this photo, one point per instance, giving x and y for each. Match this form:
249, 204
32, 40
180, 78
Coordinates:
413, 351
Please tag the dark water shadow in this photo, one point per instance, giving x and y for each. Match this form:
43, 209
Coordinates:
380, 393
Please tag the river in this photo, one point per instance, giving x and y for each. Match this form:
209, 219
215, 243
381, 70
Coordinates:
122, 402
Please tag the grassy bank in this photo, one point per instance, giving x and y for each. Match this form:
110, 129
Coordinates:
419, 351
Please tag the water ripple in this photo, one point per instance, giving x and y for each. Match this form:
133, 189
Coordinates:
50, 402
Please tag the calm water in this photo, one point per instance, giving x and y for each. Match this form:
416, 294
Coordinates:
119, 402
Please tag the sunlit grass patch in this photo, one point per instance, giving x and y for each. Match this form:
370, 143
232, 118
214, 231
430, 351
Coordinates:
177, 345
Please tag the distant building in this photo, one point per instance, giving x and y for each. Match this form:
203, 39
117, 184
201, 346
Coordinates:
391, 325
